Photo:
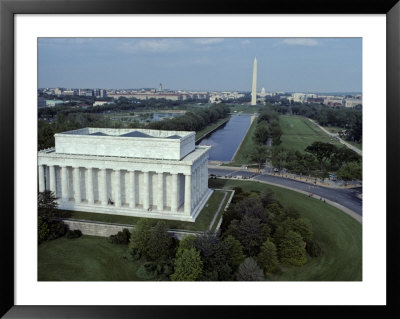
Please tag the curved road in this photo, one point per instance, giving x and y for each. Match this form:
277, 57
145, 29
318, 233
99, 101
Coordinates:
343, 196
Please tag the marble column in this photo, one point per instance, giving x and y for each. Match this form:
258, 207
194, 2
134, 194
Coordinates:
160, 191
188, 194
117, 187
146, 190
52, 173
89, 189
42, 185
174, 193
103, 187
132, 190
77, 186
64, 183
192, 190
197, 185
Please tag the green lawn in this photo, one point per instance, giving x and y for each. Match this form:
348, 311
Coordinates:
214, 226
87, 258
201, 224
246, 147
210, 127
339, 235
299, 132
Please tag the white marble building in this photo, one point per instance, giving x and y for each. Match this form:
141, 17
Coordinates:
133, 172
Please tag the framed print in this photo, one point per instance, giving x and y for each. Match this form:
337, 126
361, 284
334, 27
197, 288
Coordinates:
27, 28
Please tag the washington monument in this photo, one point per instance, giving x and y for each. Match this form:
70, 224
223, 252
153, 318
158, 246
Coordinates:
254, 87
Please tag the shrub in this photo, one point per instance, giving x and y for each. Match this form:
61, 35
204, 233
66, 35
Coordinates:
57, 230
313, 249
71, 234
43, 230
147, 271
121, 238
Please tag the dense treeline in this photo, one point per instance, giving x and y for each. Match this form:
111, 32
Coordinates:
350, 119
192, 121
120, 105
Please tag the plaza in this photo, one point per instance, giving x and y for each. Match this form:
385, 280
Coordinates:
132, 172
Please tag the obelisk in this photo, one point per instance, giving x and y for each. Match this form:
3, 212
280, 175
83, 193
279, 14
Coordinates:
254, 87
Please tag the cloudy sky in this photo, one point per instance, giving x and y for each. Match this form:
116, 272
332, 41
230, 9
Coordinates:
284, 64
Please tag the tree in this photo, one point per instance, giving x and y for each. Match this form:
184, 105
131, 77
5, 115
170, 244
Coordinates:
321, 151
251, 207
267, 197
259, 155
249, 271
292, 249
268, 257
139, 238
276, 133
214, 254
261, 132
185, 243
278, 156
302, 226
159, 243
188, 266
47, 204
236, 255
350, 171
251, 233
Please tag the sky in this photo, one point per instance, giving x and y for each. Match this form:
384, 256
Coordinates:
212, 64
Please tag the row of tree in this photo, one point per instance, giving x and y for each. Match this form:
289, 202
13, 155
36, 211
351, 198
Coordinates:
318, 160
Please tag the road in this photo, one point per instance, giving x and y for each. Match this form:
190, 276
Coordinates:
336, 136
343, 196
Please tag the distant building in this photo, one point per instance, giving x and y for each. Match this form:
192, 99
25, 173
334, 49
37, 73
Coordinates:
96, 103
85, 92
52, 103
352, 102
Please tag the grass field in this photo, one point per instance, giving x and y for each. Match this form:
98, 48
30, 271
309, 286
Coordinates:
201, 224
339, 236
87, 258
299, 132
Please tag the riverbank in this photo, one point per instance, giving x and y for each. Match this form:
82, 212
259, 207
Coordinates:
210, 128
246, 145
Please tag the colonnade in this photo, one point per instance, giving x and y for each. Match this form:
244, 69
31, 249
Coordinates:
195, 186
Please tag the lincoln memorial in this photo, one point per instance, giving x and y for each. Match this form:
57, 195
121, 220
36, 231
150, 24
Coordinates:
133, 172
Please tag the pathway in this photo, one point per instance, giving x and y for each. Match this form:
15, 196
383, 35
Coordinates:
336, 136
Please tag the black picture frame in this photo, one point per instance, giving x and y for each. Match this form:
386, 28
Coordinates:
8, 8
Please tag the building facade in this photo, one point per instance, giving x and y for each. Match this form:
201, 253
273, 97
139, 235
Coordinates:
132, 172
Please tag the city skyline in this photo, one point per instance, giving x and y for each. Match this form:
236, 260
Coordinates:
220, 64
